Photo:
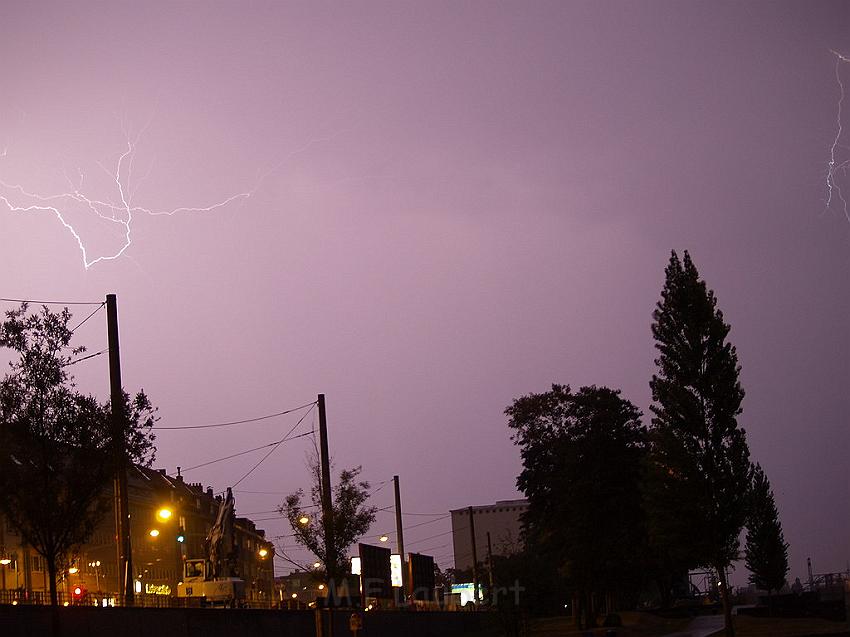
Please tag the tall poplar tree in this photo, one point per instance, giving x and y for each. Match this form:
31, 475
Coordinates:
699, 459
766, 551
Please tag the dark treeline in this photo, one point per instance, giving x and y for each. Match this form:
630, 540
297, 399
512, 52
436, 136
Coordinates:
620, 510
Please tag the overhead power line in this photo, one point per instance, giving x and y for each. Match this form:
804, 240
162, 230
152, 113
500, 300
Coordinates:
52, 302
96, 310
85, 358
413, 526
431, 537
274, 448
237, 422
242, 453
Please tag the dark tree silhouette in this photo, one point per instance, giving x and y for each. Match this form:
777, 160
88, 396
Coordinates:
582, 456
56, 463
350, 518
700, 469
765, 551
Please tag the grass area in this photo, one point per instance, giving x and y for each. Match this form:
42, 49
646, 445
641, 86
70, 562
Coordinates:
648, 625
779, 627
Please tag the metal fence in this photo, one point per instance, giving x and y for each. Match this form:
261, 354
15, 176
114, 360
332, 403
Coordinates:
139, 600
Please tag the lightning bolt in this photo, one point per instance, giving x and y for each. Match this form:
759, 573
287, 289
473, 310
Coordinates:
832, 186
121, 211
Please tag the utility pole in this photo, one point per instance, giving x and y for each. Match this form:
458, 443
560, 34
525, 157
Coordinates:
490, 569
327, 510
400, 533
119, 424
474, 559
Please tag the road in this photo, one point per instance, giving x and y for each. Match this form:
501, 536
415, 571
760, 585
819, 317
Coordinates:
702, 626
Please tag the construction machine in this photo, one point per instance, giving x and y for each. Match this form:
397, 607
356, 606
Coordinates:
213, 579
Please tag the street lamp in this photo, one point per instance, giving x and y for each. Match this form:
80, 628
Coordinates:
154, 532
164, 514
263, 552
96, 565
304, 519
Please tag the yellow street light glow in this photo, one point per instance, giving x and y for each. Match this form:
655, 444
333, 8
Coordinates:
294, 595
321, 587
73, 570
263, 552
154, 533
164, 514
317, 564
304, 519
383, 538
5, 561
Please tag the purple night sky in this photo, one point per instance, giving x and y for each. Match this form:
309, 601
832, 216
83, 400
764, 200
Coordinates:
451, 205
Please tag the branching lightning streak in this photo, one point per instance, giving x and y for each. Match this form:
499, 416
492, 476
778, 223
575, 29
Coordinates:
123, 213
834, 165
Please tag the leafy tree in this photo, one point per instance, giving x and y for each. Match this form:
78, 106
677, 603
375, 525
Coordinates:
765, 551
582, 459
700, 469
350, 518
56, 460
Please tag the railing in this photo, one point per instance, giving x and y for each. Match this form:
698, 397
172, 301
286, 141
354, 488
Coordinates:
139, 600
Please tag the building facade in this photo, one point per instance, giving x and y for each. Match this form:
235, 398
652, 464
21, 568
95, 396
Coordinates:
501, 520
169, 520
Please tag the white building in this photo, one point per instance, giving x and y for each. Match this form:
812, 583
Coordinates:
501, 520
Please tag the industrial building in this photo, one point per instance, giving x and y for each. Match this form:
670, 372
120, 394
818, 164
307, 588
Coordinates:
500, 520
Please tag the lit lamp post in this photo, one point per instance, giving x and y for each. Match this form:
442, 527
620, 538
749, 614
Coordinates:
96, 566
4, 562
263, 554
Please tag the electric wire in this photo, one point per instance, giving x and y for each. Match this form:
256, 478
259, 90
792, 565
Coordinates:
52, 302
85, 358
431, 537
237, 422
443, 514
242, 453
413, 526
80, 324
274, 448
433, 548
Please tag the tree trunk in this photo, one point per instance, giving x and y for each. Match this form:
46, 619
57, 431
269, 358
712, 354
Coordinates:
727, 602
51, 574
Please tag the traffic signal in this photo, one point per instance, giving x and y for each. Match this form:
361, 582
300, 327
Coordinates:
181, 535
